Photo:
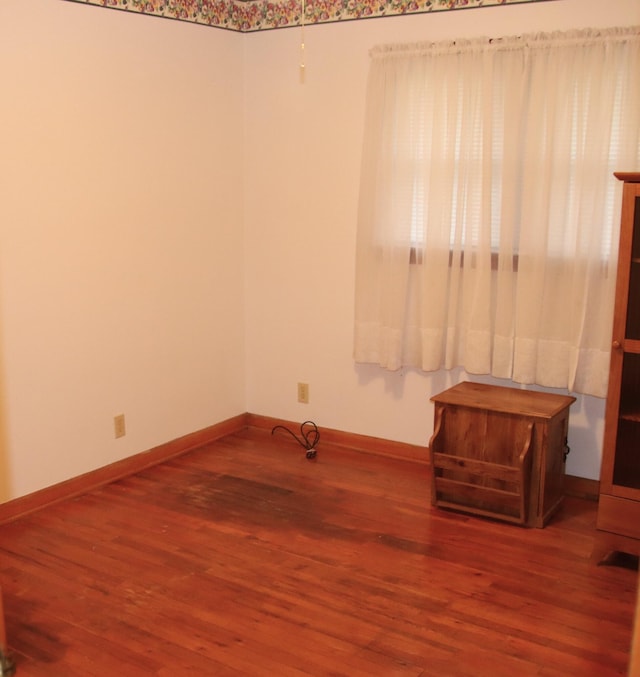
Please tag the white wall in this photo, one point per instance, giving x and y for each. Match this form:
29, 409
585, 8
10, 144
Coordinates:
154, 175
120, 235
301, 185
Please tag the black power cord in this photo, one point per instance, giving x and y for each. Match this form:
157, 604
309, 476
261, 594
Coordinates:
309, 436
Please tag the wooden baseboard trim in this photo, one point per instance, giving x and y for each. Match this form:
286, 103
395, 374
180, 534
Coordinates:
580, 487
94, 479
577, 487
354, 441
11, 510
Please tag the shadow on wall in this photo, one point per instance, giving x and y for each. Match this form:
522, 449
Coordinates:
394, 381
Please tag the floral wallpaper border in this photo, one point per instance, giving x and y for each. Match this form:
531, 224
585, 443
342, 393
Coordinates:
256, 15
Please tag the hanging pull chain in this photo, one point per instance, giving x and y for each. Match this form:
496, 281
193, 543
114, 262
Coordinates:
302, 54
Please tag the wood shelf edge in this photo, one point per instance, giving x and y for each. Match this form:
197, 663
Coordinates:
628, 177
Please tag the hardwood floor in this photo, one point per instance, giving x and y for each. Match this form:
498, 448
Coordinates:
245, 558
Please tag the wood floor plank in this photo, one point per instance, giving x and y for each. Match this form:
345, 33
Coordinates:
245, 558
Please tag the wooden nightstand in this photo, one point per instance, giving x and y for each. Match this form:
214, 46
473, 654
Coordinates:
500, 452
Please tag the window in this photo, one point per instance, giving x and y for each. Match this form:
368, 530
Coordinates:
500, 154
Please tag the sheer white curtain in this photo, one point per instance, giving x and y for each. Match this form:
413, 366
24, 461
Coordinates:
489, 214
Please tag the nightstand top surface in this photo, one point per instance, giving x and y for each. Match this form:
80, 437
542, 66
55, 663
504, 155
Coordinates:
506, 400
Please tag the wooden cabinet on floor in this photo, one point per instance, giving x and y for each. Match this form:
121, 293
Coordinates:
500, 452
619, 504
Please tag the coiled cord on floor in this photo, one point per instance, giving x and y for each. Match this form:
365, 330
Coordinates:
309, 436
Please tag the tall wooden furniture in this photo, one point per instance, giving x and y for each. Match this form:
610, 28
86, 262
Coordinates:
619, 504
634, 666
500, 452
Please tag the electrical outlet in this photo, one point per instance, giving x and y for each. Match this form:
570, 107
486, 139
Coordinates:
118, 426
303, 393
